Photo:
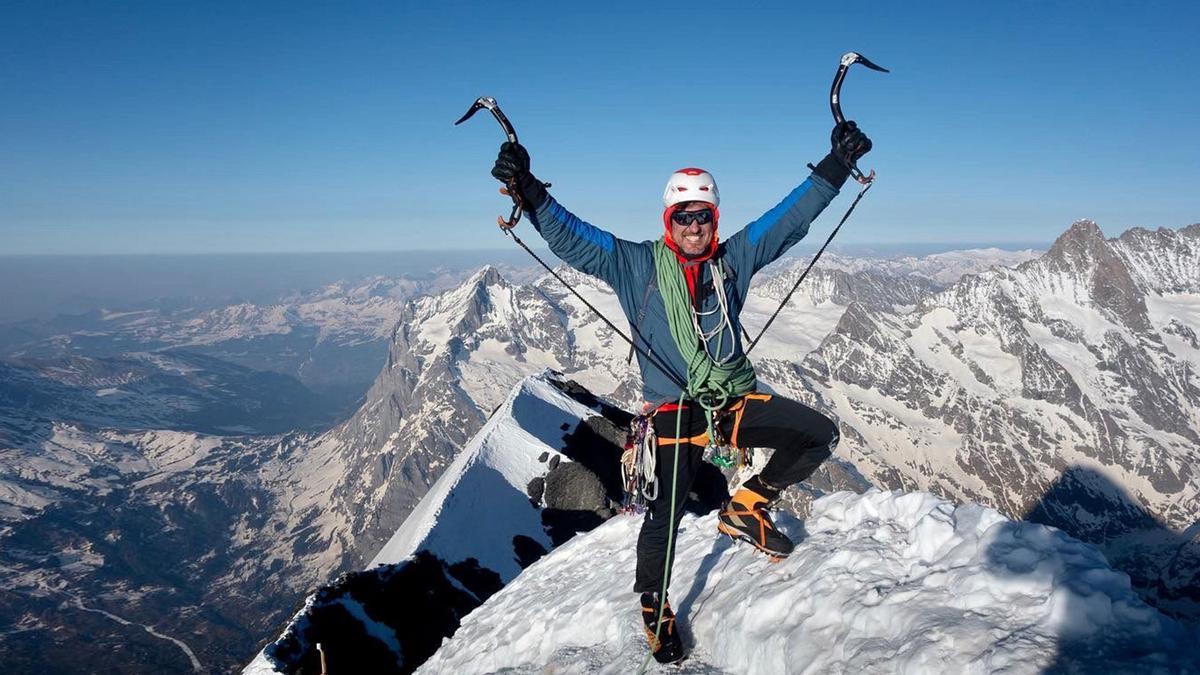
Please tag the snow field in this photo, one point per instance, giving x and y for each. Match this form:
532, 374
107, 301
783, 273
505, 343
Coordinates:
881, 582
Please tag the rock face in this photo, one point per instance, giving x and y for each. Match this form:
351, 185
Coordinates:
1066, 389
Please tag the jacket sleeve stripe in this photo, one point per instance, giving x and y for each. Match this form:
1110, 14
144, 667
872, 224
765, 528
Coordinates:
581, 228
760, 227
579, 244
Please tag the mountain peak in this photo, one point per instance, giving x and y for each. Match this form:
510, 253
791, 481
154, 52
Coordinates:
1083, 233
1080, 248
1084, 254
488, 275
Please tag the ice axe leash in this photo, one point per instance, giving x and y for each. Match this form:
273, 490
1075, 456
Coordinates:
835, 106
489, 103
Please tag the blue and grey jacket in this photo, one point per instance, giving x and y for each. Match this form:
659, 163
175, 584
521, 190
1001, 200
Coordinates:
629, 268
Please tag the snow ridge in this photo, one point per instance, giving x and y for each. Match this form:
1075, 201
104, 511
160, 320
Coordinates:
884, 581
489, 477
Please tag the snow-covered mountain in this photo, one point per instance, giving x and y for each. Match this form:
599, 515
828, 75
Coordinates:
491, 475
1003, 388
212, 519
454, 355
941, 268
1066, 389
906, 580
223, 517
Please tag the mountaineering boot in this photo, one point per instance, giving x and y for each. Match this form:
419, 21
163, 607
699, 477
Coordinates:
667, 646
745, 517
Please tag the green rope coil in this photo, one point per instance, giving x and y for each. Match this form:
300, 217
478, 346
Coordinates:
710, 384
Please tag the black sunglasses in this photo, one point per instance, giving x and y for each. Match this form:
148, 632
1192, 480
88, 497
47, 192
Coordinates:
686, 218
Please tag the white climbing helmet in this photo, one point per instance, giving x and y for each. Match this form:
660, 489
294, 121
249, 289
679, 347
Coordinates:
691, 185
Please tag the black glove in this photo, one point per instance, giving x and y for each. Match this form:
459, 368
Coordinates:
849, 144
512, 167
512, 162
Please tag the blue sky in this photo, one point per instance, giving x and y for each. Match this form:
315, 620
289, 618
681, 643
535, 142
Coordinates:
141, 127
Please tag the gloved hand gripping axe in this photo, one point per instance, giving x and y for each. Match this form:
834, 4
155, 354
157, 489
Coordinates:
835, 102
511, 189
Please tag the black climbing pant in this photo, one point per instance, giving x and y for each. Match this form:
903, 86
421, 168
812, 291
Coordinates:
801, 437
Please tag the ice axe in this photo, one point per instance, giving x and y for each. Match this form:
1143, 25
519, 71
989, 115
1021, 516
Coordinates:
835, 104
511, 189
835, 101
507, 226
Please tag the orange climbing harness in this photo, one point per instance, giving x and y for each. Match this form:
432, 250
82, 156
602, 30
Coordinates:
737, 409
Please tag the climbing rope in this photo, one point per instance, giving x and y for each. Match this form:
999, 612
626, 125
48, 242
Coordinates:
662, 595
710, 384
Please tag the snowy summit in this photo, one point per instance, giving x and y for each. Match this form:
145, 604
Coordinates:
879, 582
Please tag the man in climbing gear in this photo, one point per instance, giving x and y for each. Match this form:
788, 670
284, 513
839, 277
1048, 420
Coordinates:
683, 294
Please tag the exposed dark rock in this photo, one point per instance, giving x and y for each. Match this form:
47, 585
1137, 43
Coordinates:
572, 487
535, 490
415, 601
561, 524
1082, 251
597, 444
481, 581
527, 550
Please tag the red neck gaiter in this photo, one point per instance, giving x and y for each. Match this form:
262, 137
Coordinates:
691, 266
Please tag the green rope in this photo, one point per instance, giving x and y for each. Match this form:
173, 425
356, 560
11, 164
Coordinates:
662, 596
710, 384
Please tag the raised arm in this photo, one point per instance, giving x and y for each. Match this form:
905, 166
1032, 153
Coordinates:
771, 235
580, 244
